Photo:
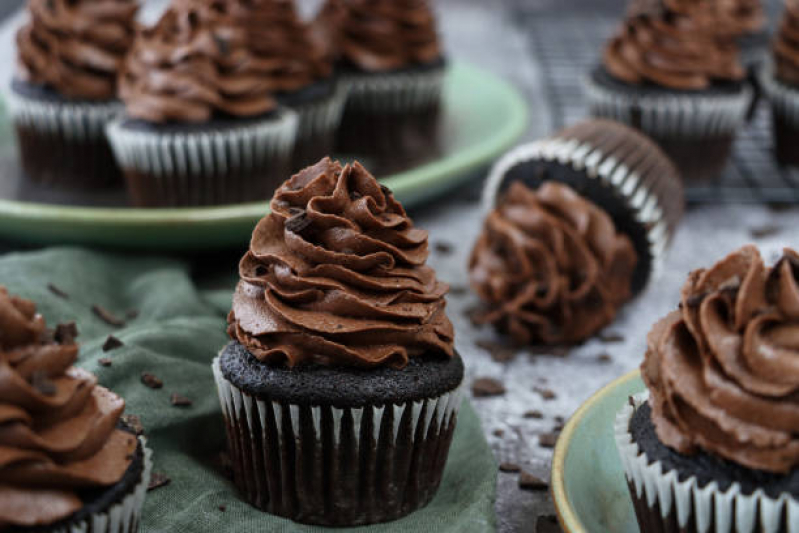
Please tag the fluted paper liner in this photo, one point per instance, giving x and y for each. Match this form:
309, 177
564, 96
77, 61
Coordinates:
783, 98
686, 505
331, 466
394, 92
317, 127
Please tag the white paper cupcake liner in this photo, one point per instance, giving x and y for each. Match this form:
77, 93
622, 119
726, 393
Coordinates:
697, 508
784, 99
257, 429
394, 93
124, 516
637, 191
668, 116
72, 121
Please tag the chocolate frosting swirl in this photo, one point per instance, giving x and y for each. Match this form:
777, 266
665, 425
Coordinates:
336, 275
381, 35
57, 427
76, 47
550, 266
193, 65
680, 46
786, 45
723, 371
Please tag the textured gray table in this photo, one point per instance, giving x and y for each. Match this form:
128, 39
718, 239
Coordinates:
492, 35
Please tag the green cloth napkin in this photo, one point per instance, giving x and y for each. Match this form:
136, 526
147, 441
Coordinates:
177, 332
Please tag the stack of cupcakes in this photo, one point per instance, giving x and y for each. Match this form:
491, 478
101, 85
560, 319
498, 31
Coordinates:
66, 90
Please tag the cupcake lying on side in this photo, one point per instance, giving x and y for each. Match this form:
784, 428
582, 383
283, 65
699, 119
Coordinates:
341, 387
391, 60
575, 226
201, 125
65, 91
66, 463
715, 441
674, 73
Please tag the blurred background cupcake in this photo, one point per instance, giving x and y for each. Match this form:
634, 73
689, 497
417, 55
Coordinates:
390, 57
201, 126
576, 224
780, 81
65, 90
674, 72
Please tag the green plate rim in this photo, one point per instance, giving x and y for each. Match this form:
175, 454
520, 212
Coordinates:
567, 514
447, 169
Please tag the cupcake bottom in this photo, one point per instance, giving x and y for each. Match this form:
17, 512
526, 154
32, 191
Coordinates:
672, 492
62, 142
338, 447
786, 140
784, 102
698, 161
114, 509
225, 161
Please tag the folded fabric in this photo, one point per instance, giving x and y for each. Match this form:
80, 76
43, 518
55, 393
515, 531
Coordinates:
172, 330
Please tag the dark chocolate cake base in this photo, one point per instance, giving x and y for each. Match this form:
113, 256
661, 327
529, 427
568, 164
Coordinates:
786, 141
338, 447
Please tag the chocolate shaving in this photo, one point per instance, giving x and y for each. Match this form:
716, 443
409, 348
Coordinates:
498, 352
547, 394
485, 387
107, 316
499, 432
458, 290
151, 380
158, 480
528, 481
443, 247
762, 232
611, 338
179, 401
65, 333
548, 440
42, 383
104, 361
134, 423
533, 414
604, 357
509, 468
298, 223
112, 343
57, 291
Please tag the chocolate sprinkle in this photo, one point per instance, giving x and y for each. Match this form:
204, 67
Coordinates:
486, 387
151, 380
112, 343
42, 383
509, 468
134, 423
180, 401
158, 480
107, 316
528, 481
57, 291
65, 333
548, 440
535, 413
104, 361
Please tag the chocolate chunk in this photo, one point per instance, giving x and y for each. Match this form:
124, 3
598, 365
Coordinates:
510, 468
58, 292
547, 524
611, 338
762, 232
151, 380
485, 387
548, 440
528, 481
104, 361
65, 333
443, 247
547, 394
158, 480
42, 383
499, 432
112, 343
298, 223
498, 352
180, 401
134, 423
107, 316
535, 413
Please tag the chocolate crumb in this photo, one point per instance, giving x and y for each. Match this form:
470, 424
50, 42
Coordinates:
604, 357
547, 524
443, 247
535, 413
611, 337
547, 394
548, 440
458, 290
765, 231
485, 387
528, 481
42, 383
134, 423
151, 380
104, 361
65, 333
223, 508
107, 316
180, 401
509, 468
158, 480
498, 352
499, 432
52, 287
112, 343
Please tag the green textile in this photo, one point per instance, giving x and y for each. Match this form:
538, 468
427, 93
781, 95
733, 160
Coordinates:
177, 332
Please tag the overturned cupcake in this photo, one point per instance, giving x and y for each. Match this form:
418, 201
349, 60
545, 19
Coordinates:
390, 57
715, 440
65, 90
341, 387
201, 126
675, 74
576, 224
66, 463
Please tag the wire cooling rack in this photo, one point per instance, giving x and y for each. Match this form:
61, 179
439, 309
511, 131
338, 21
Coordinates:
568, 45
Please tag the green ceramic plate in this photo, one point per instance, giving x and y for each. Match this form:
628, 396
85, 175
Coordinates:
484, 116
587, 480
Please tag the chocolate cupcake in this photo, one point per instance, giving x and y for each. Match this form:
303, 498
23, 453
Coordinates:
392, 62
66, 462
674, 73
201, 126
576, 225
713, 445
64, 93
780, 82
341, 387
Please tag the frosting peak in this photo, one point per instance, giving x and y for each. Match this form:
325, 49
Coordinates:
786, 45
723, 371
76, 47
57, 427
336, 275
550, 265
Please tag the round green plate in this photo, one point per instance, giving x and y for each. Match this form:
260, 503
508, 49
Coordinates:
588, 484
484, 116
